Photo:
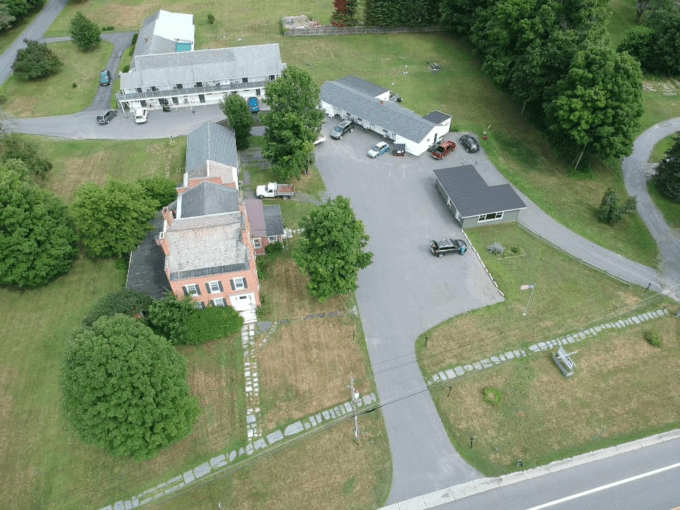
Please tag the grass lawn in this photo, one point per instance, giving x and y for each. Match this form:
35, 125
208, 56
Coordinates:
622, 20
623, 389
56, 95
670, 210
567, 297
328, 470
79, 161
661, 148
658, 107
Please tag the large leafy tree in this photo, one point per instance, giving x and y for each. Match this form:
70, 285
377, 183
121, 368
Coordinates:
170, 317
240, 118
599, 103
125, 389
331, 249
85, 33
667, 176
16, 147
113, 219
293, 123
6, 17
37, 236
35, 61
458, 16
159, 188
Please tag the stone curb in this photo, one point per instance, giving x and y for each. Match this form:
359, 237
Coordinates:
451, 373
224, 460
483, 264
480, 485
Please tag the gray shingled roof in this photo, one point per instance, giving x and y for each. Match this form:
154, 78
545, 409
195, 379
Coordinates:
147, 43
437, 117
364, 86
146, 271
207, 198
273, 220
472, 196
389, 115
255, 212
212, 142
203, 66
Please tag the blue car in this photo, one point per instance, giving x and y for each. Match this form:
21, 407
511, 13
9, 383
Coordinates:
105, 78
378, 149
252, 104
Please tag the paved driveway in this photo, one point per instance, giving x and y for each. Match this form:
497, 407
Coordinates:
405, 292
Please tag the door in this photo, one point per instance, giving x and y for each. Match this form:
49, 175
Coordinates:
243, 302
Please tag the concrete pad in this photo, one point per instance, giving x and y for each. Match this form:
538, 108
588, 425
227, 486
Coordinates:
260, 444
219, 461
293, 428
459, 370
188, 477
450, 373
204, 468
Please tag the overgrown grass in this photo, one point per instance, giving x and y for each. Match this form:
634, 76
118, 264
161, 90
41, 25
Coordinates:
658, 107
622, 20
669, 209
568, 296
56, 95
545, 417
79, 161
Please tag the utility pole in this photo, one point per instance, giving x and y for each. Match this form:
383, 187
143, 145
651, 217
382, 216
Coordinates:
354, 395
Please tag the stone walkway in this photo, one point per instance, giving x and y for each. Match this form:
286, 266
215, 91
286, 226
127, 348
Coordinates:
492, 361
250, 370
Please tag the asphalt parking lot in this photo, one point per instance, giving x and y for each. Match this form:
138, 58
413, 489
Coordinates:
406, 291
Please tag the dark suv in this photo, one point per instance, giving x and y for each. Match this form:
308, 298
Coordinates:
445, 246
106, 116
105, 78
342, 128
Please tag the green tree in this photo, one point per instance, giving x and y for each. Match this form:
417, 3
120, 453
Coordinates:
23, 149
240, 118
37, 236
667, 176
212, 323
159, 188
126, 301
599, 103
36, 61
169, 317
6, 17
612, 211
85, 34
331, 249
293, 123
124, 388
113, 219
458, 16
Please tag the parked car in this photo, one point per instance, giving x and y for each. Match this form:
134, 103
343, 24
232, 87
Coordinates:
378, 149
342, 128
105, 78
444, 150
106, 116
319, 140
446, 246
140, 115
470, 143
253, 104
275, 190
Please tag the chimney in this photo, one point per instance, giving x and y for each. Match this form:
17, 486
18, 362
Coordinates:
382, 102
167, 215
163, 243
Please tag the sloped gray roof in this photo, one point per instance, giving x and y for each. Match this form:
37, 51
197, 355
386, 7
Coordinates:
255, 212
203, 66
146, 271
364, 86
437, 117
148, 43
389, 115
207, 198
212, 142
273, 220
472, 196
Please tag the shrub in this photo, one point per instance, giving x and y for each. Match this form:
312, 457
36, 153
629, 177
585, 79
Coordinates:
86, 34
27, 151
169, 317
3, 98
126, 68
653, 338
212, 323
515, 250
211, 19
125, 301
274, 248
74, 85
134, 39
496, 248
108, 28
492, 396
612, 211
36, 61
159, 188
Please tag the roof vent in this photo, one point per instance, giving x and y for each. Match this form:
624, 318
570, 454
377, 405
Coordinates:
382, 102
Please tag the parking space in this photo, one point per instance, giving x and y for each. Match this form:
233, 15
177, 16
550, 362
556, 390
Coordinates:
406, 290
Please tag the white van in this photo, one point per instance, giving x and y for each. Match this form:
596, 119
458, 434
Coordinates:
140, 115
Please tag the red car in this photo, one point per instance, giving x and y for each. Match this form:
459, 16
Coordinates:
443, 150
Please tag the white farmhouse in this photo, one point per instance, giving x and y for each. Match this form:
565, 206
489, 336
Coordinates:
369, 106
166, 71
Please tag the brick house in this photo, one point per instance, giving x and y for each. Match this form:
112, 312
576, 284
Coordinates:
208, 251
266, 224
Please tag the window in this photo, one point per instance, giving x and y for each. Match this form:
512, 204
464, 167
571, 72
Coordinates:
179, 86
239, 284
245, 80
139, 89
199, 83
201, 98
491, 216
175, 100
200, 305
192, 290
219, 302
154, 89
257, 92
214, 287
273, 239
272, 77
257, 244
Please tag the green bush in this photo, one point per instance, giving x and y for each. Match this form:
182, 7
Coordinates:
126, 68
492, 396
653, 338
211, 19
273, 248
169, 317
74, 85
212, 323
15, 147
3, 98
35, 61
125, 301
134, 39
